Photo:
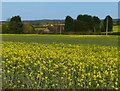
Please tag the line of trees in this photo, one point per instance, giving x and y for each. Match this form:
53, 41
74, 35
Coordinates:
83, 23
15, 26
88, 23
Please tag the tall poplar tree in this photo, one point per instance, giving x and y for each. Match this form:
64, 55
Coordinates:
108, 24
69, 24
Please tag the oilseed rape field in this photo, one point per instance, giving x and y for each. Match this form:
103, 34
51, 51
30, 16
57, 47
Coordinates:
60, 62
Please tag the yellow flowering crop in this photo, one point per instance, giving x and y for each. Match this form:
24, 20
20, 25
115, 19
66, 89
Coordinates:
59, 66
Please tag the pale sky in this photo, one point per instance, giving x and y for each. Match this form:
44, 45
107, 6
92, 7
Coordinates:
58, 10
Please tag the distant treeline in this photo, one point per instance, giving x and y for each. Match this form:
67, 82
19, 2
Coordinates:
84, 24
88, 23
15, 26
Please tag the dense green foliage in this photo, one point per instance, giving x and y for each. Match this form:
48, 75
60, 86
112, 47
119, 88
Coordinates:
79, 26
28, 29
88, 23
108, 24
83, 23
68, 24
96, 23
87, 20
5, 28
15, 25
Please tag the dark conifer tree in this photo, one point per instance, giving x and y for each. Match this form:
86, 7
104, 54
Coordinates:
108, 24
68, 24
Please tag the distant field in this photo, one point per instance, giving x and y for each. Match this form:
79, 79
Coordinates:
67, 39
115, 29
